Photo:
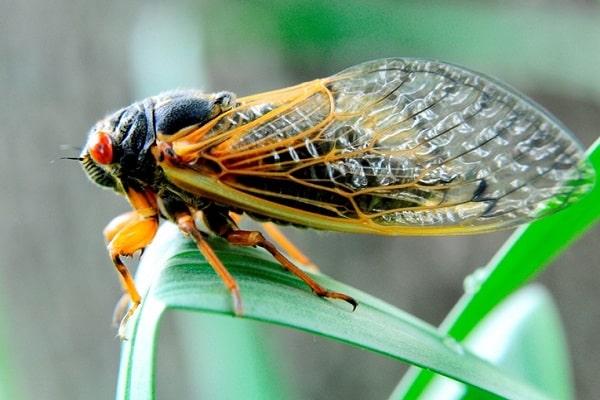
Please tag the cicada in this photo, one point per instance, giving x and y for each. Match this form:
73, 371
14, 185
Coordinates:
391, 147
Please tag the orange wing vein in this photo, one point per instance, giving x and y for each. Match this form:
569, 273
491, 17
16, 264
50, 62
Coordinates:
394, 146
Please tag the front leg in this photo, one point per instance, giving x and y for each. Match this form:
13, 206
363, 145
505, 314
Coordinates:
127, 235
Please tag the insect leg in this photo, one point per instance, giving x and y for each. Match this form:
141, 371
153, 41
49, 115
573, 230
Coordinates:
278, 237
187, 225
254, 238
126, 235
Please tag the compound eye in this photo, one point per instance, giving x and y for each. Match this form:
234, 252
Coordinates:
101, 148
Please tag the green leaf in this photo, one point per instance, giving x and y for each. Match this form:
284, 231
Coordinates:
529, 250
523, 335
177, 277
486, 38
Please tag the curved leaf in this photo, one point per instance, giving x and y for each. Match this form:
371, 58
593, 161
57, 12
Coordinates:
178, 277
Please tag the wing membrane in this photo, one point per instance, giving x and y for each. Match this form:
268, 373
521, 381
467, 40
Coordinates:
394, 146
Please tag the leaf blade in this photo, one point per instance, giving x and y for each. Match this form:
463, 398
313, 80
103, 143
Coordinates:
270, 294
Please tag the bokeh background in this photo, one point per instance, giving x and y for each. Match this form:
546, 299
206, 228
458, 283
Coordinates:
64, 64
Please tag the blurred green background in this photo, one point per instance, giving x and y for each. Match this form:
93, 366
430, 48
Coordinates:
65, 64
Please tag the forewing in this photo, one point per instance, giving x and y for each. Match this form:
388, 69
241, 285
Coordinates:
394, 146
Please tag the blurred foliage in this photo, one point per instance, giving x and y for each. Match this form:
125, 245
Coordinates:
529, 44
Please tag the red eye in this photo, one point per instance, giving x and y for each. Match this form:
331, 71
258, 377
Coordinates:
100, 148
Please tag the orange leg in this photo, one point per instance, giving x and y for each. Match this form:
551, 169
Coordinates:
187, 226
288, 247
278, 237
254, 238
126, 235
134, 233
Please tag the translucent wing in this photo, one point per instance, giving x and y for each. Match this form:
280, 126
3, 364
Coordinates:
394, 146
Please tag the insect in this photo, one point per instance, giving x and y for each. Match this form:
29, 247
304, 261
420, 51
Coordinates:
391, 147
